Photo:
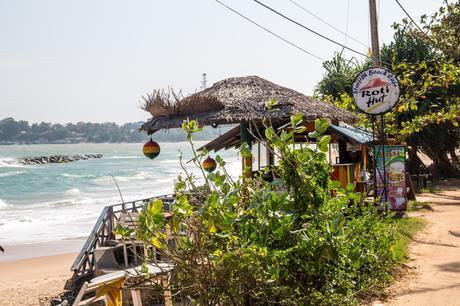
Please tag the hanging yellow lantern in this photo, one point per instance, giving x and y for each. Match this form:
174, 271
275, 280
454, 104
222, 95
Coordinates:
209, 164
151, 149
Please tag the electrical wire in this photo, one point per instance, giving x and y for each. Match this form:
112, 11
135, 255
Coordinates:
327, 23
318, 34
269, 31
411, 19
346, 25
310, 30
407, 14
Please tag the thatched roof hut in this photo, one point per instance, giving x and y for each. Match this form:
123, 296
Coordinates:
236, 100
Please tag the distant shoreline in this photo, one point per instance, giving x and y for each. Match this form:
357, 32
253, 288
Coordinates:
23, 251
72, 143
20, 132
59, 143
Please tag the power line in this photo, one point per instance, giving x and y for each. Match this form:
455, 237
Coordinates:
327, 23
346, 26
411, 19
269, 31
407, 14
310, 30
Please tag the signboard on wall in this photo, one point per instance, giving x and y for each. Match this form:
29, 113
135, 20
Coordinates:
375, 90
395, 172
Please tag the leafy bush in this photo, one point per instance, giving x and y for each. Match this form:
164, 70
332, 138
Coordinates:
298, 240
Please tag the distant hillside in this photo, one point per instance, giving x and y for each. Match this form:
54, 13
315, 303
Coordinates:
20, 132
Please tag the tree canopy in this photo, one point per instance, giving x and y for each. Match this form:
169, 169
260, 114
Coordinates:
427, 66
21, 132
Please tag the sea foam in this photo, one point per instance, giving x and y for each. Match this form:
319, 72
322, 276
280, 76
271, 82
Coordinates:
73, 191
77, 175
3, 204
9, 162
124, 157
11, 173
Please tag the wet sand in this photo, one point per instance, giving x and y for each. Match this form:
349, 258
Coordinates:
24, 281
31, 271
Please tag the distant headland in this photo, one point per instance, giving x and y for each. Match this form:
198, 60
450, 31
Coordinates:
21, 132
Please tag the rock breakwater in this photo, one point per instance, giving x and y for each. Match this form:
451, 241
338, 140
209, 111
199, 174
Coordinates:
56, 159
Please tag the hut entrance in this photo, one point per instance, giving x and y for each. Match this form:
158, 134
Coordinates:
348, 151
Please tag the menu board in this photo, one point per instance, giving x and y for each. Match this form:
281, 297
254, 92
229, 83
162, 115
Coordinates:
395, 170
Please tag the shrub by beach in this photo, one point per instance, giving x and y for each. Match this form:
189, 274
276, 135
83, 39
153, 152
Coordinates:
298, 240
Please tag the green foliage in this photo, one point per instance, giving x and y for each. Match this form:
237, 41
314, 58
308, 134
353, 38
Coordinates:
427, 66
124, 232
445, 30
429, 108
405, 229
12, 131
419, 206
339, 76
289, 242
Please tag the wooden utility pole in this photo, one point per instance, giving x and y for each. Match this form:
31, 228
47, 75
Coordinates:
374, 34
376, 63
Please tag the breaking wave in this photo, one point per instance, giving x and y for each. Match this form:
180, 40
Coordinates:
72, 191
137, 176
8, 162
11, 173
124, 157
78, 175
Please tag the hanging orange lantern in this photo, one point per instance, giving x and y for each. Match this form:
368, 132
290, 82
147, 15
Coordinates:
151, 149
209, 164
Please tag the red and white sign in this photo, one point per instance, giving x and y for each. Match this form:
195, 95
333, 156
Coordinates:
375, 90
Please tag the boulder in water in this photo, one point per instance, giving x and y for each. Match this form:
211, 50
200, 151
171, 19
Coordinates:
41, 160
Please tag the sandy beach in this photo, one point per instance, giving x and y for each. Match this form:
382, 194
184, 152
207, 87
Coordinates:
23, 282
28, 272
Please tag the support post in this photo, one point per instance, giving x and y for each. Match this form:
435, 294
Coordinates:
364, 161
376, 63
246, 137
374, 34
258, 156
374, 155
270, 157
383, 136
136, 296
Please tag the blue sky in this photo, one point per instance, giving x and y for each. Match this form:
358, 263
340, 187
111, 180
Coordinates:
67, 61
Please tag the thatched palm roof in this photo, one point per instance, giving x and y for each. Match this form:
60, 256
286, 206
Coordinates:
235, 100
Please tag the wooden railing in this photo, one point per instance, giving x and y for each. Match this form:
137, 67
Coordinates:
103, 231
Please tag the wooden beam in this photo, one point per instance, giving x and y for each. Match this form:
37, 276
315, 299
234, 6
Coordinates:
246, 137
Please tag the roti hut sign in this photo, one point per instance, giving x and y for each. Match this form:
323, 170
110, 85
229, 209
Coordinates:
375, 90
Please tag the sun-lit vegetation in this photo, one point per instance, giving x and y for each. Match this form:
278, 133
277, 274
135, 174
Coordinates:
427, 66
298, 240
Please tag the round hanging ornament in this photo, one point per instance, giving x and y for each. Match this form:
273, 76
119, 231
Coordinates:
209, 164
151, 149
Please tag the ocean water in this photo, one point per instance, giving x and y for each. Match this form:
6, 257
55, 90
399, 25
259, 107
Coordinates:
51, 202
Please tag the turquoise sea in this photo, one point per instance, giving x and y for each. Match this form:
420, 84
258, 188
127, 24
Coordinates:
61, 201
